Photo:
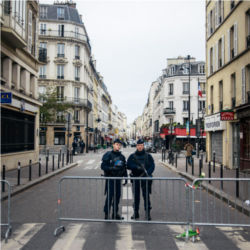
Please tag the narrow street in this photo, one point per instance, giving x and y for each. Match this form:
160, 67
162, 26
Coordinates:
34, 216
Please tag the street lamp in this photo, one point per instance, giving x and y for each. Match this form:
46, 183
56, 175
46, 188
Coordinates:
189, 72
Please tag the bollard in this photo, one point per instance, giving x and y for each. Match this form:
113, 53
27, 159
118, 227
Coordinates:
18, 173
192, 165
30, 170
60, 155
186, 164
202, 161
176, 157
63, 160
199, 167
237, 182
209, 171
214, 161
53, 162
162, 154
221, 176
58, 161
47, 162
47, 152
72, 157
67, 157
3, 178
39, 167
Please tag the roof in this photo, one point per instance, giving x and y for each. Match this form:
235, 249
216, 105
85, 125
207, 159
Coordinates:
70, 14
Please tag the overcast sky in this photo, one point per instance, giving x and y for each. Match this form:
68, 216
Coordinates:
131, 40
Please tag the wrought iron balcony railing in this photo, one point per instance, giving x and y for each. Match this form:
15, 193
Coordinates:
168, 111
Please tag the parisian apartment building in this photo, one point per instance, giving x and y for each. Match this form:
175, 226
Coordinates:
19, 83
227, 119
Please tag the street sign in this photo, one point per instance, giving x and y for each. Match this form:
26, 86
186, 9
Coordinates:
6, 97
227, 116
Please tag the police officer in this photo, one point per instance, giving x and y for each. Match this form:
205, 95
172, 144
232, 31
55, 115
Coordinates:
141, 164
113, 165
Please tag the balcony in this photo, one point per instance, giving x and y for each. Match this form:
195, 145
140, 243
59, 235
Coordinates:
42, 55
42, 76
61, 55
76, 102
185, 92
233, 102
248, 41
77, 79
169, 111
64, 34
60, 77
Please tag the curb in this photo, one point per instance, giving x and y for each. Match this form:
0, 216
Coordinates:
235, 202
37, 181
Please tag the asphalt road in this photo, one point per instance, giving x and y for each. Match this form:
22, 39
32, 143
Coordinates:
34, 215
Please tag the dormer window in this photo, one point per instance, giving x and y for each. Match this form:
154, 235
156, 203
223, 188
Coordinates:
43, 11
60, 13
202, 68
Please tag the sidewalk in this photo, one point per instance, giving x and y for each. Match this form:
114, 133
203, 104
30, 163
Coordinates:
229, 187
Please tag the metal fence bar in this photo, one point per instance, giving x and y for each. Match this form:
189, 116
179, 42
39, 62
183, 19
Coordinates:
235, 214
8, 232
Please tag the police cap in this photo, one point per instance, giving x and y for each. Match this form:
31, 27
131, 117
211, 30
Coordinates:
140, 141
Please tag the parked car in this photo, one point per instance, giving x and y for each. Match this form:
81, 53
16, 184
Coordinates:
148, 146
133, 143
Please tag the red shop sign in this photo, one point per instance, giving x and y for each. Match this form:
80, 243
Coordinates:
227, 116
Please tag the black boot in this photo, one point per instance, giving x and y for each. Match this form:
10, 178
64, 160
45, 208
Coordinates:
147, 216
135, 215
106, 217
117, 217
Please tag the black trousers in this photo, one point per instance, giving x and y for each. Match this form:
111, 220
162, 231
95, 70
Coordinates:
146, 190
113, 195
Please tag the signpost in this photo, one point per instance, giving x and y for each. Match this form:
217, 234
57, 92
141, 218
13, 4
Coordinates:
6, 97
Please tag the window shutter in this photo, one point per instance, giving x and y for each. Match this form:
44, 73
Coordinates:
216, 56
228, 45
223, 50
30, 31
235, 39
243, 71
208, 24
208, 62
216, 14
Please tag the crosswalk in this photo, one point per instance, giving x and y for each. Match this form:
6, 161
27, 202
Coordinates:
76, 236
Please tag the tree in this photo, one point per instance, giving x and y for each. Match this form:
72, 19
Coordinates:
52, 105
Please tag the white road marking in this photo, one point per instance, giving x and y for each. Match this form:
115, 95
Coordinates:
181, 244
127, 193
234, 234
90, 162
127, 212
72, 238
22, 236
126, 241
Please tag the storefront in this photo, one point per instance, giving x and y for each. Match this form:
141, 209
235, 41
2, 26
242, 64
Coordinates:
214, 127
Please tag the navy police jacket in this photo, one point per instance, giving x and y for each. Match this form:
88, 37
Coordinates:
114, 164
145, 159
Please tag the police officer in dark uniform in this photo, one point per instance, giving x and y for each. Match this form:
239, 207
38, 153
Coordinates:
141, 164
113, 165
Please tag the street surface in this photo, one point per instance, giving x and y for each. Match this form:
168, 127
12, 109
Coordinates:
34, 215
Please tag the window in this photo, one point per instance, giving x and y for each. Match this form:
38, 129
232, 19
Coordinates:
43, 28
202, 105
202, 68
60, 13
171, 89
76, 94
43, 12
185, 105
77, 52
221, 95
60, 92
42, 72
76, 32
211, 60
172, 70
42, 137
203, 87
185, 69
212, 98
42, 90
61, 30
59, 138
171, 105
17, 131
77, 116
185, 88
77, 73
232, 4
233, 89
60, 50
220, 11
248, 28
156, 123
43, 45
232, 42
60, 71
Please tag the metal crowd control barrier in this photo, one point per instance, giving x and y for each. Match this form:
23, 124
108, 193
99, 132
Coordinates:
220, 208
5, 210
82, 198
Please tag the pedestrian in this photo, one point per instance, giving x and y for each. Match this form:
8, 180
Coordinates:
113, 165
189, 149
141, 164
82, 145
74, 144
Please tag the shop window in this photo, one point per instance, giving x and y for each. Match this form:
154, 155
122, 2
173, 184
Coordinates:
59, 138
